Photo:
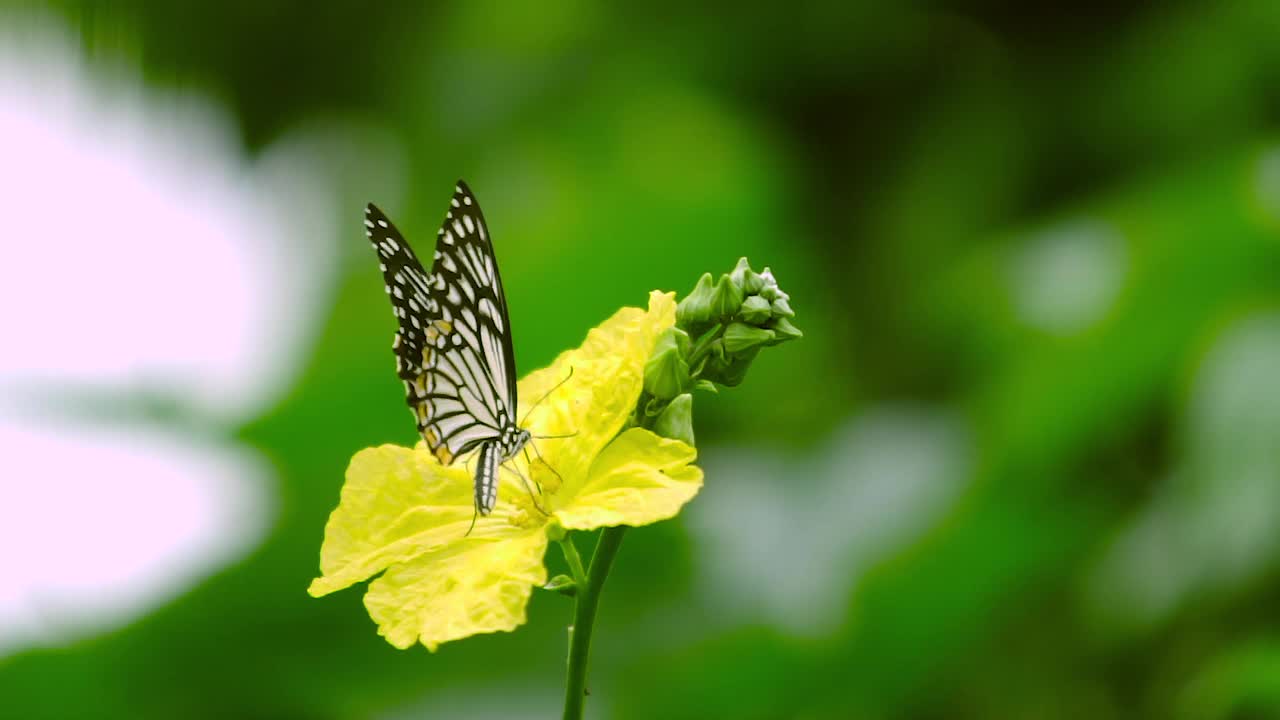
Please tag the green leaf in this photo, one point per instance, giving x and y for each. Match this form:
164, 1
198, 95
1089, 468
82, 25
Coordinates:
562, 584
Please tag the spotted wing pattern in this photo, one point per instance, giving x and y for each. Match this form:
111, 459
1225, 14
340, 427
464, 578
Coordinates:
453, 346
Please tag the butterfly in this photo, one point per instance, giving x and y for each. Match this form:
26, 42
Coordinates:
453, 345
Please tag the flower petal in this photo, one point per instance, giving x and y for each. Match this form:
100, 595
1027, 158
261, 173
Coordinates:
398, 504
465, 588
595, 403
601, 340
640, 478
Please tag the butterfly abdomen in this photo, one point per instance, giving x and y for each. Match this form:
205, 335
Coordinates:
486, 485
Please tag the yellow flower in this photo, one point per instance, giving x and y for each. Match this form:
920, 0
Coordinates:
405, 516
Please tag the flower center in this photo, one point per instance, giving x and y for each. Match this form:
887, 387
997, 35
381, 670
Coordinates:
527, 513
545, 476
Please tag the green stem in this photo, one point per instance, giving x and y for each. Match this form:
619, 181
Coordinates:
704, 344
584, 616
573, 559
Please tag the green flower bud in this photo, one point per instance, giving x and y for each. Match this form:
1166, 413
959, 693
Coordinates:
562, 584
676, 420
727, 298
756, 310
654, 407
785, 331
730, 371
695, 308
746, 278
731, 320
771, 291
740, 336
716, 349
697, 369
681, 338
666, 374
713, 352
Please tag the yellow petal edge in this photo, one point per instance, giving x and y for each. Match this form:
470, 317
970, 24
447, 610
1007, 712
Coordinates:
460, 590
639, 479
397, 504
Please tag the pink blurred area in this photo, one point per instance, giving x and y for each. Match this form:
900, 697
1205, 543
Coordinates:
144, 255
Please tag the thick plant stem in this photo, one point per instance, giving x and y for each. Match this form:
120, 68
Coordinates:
584, 617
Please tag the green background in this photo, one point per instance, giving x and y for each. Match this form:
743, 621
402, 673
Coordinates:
1052, 232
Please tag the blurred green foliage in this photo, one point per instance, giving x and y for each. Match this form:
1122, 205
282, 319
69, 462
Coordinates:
894, 164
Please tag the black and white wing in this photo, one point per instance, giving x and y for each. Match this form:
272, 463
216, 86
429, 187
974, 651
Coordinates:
453, 346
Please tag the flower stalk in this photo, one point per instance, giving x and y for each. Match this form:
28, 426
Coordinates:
587, 601
732, 319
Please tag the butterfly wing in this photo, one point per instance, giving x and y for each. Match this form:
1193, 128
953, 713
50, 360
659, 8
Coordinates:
453, 346
464, 256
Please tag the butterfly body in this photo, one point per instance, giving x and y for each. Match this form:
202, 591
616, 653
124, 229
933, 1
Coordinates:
453, 345
492, 454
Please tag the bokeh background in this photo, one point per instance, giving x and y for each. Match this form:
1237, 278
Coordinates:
1024, 464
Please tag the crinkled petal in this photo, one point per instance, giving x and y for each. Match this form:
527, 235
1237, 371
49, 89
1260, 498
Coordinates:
640, 478
397, 504
595, 402
465, 588
604, 340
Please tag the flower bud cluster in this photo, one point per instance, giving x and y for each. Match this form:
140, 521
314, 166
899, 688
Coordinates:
720, 328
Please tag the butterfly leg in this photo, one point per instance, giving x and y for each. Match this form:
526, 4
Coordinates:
475, 513
475, 507
529, 463
528, 489
544, 462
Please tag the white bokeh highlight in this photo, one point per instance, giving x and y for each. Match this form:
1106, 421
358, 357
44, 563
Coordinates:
100, 525
144, 258
785, 540
1211, 526
1067, 277
142, 251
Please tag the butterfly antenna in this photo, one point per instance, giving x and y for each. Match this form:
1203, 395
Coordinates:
555, 437
545, 395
